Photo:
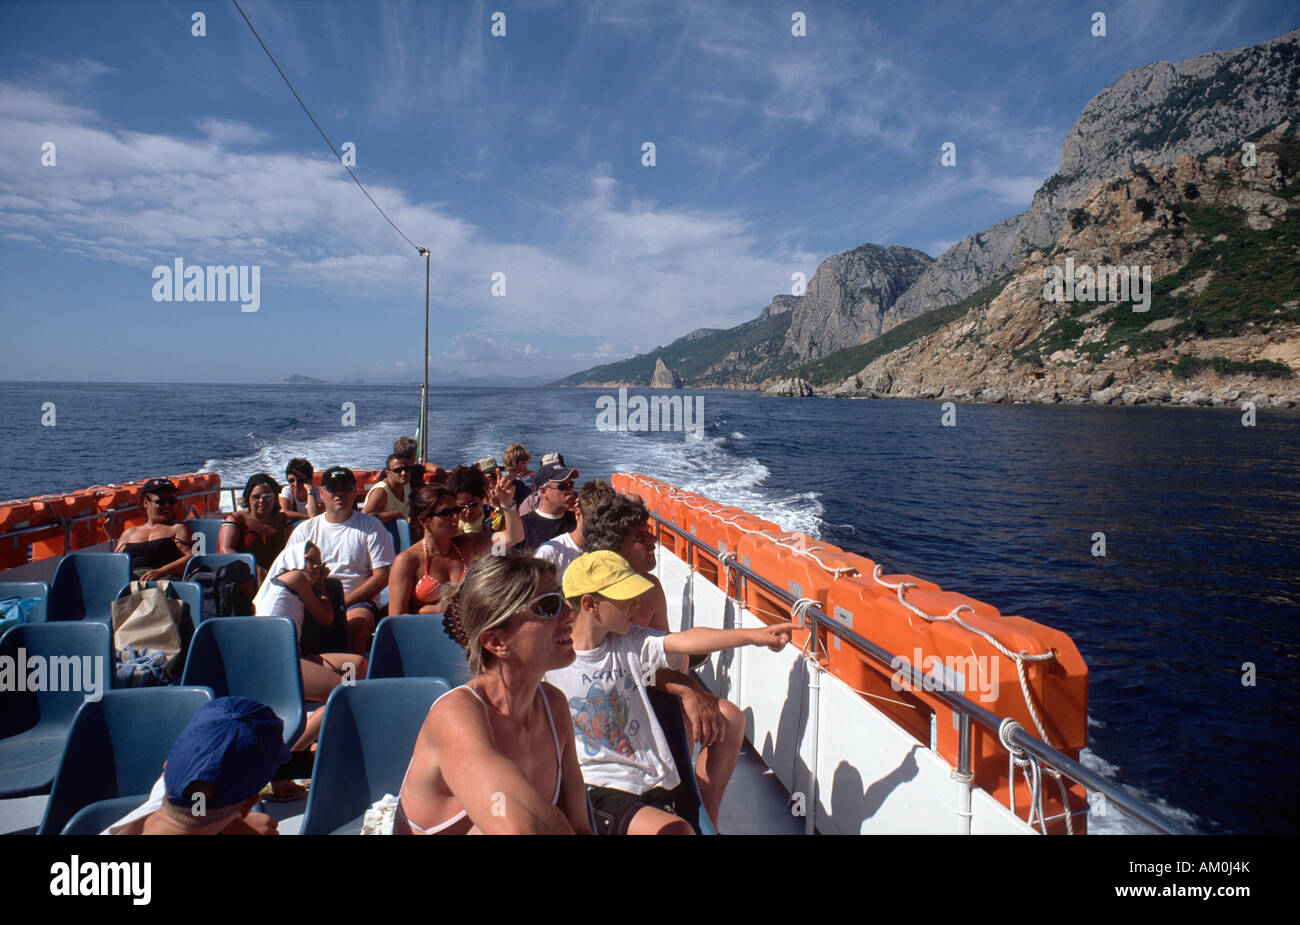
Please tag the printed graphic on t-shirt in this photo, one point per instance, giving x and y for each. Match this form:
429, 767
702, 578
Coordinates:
602, 718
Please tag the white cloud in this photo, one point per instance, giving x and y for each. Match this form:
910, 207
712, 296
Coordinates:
614, 265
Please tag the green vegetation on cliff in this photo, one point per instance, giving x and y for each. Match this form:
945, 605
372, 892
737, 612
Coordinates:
749, 352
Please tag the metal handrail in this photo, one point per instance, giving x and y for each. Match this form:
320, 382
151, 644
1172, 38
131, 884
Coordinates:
966, 709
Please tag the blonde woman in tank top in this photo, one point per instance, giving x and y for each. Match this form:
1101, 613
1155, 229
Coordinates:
497, 754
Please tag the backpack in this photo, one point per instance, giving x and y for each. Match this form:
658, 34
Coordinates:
222, 596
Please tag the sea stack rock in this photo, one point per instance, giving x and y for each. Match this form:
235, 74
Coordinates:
790, 388
664, 378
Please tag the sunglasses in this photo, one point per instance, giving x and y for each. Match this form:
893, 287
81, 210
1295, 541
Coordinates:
161, 502
449, 511
546, 606
402, 471
561, 486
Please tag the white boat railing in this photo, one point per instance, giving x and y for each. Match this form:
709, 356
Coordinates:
966, 711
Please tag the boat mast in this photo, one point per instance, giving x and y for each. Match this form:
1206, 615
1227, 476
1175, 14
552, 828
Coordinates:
424, 393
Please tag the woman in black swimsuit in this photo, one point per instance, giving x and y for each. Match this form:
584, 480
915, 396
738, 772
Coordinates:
261, 528
160, 547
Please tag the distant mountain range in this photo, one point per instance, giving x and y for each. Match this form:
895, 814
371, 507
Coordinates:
873, 301
436, 377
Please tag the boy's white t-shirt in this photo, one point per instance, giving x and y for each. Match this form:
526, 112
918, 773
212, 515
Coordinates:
559, 552
620, 744
352, 549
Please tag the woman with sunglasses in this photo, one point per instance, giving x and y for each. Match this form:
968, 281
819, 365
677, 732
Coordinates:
159, 547
443, 553
260, 528
388, 497
496, 755
299, 500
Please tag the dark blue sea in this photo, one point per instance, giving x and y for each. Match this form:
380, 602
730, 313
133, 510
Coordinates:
1200, 515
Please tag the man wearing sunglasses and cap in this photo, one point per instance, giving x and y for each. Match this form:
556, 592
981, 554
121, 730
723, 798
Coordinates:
626, 762
556, 499
356, 548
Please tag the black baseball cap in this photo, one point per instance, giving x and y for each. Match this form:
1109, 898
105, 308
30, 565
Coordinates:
159, 487
338, 477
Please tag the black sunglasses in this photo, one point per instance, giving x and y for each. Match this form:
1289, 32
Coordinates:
448, 511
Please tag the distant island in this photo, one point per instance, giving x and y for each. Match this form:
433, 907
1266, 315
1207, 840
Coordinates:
306, 380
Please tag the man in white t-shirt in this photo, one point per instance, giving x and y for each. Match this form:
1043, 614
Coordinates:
625, 759
356, 547
568, 546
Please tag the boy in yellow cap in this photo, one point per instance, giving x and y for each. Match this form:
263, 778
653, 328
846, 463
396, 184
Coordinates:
625, 758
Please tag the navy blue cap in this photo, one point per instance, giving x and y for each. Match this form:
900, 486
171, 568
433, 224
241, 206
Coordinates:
553, 473
232, 744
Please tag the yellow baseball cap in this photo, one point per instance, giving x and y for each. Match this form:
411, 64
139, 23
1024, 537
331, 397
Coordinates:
605, 573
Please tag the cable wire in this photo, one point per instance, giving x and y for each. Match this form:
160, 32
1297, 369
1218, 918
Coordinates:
417, 247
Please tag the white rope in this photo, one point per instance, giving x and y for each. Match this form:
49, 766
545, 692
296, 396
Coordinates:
1020, 658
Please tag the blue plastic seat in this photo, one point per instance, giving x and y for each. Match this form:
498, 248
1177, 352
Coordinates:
209, 527
215, 560
95, 818
669, 713
35, 724
86, 584
414, 645
257, 658
366, 742
36, 589
400, 529
117, 747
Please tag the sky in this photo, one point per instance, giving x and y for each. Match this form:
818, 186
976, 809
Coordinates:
128, 142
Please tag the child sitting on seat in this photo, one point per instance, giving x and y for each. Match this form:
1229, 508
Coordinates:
625, 759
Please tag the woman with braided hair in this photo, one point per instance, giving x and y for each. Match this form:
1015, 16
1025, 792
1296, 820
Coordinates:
497, 754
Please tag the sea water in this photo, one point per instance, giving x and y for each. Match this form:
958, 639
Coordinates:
1196, 593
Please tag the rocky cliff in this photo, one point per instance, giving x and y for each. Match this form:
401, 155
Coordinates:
665, 378
1219, 322
849, 296
1153, 114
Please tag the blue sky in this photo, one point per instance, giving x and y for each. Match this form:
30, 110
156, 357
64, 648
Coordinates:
519, 154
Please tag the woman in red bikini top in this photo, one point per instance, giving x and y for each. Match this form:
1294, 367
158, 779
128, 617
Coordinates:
418, 576
261, 528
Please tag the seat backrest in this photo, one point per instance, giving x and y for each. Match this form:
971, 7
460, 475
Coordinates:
400, 530
414, 645
366, 742
214, 561
117, 747
239, 657
62, 649
85, 585
96, 817
34, 589
209, 527
669, 713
